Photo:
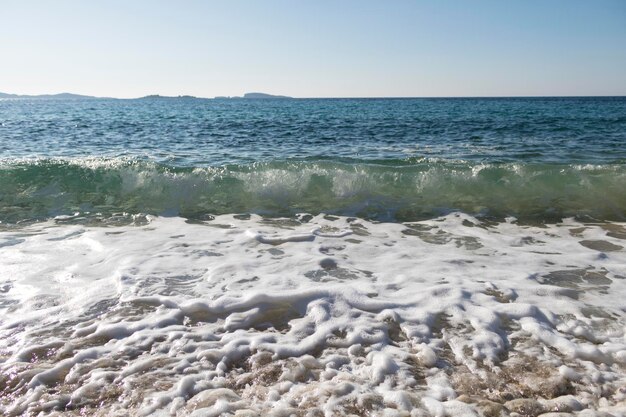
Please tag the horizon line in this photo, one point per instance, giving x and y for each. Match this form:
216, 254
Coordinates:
284, 97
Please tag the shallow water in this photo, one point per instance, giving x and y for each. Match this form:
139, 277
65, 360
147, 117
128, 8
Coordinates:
313, 257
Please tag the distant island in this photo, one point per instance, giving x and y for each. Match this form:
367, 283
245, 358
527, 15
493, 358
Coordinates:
160, 97
262, 95
149, 97
253, 96
61, 95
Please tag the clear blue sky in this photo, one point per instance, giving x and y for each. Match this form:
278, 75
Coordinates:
340, 48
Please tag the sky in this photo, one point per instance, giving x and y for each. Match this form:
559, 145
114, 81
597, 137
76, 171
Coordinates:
321, 48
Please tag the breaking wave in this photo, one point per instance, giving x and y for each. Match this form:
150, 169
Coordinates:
397, 190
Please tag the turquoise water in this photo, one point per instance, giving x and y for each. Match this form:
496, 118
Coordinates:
384, 159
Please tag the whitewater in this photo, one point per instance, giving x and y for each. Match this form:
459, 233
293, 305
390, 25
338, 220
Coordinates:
315, 316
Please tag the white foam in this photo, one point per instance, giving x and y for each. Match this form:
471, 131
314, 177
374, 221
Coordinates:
335, 315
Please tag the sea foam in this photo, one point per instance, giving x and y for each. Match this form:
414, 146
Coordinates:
313, 316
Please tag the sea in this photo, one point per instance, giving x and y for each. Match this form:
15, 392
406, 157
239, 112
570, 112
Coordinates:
313, 257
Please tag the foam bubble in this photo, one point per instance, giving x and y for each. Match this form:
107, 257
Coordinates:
243, 315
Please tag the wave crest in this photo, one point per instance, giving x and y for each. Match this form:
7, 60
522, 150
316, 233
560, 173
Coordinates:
400, 191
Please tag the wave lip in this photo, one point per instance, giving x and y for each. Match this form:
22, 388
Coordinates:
400, 190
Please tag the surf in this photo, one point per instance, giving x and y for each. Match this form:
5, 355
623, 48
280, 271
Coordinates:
396, 190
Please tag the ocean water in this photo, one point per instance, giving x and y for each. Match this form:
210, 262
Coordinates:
396, 257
